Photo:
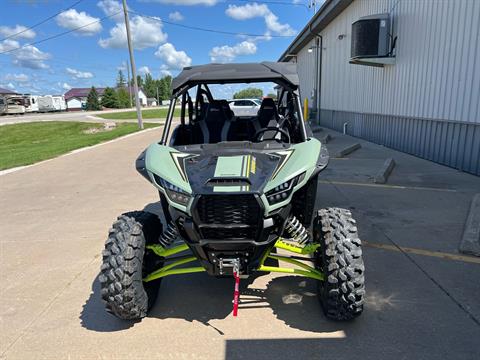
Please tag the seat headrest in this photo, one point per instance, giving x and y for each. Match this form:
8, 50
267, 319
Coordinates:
267, 103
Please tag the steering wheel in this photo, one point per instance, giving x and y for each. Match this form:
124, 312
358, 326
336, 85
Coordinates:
272, 128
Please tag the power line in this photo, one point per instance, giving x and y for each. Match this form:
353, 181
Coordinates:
42, 22
209, 30
60, 34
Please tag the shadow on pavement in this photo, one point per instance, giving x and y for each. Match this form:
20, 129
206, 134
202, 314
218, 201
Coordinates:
95, 317
201, 298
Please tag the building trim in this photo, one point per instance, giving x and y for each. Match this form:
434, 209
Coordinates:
329, 11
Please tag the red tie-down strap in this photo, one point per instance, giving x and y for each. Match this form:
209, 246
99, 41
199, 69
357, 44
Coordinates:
236, 293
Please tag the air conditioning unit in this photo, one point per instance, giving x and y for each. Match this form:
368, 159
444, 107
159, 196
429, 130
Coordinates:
371, 43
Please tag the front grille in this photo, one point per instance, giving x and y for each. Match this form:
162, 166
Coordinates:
240, 215
228, 233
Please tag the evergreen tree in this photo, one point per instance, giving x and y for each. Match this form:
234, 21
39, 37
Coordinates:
123, 98
92, 100
121, 82
109, 99
149, 86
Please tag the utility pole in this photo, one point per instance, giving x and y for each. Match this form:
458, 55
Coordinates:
129, 85
158, 98
132, 63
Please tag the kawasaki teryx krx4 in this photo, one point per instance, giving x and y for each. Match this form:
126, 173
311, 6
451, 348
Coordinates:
234, 190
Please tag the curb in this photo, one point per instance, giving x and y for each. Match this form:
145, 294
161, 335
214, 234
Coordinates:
470, 243
348, 150
384, 172
326, 139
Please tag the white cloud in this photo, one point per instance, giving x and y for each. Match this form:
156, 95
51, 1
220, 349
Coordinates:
66, 86
254, 10
172, 58
144, 70
165, 72
186, 2
76, 74
30, 57
175, 16
6, 31
10, 86
7, 45
112, 8
227, 53
146, 32
72, 19
17, 77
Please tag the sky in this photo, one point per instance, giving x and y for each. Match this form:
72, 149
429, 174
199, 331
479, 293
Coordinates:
96, 48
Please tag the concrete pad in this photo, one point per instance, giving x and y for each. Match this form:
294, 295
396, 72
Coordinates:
55, 217
471, 235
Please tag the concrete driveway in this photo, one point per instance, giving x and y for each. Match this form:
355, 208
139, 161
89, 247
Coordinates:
422, 298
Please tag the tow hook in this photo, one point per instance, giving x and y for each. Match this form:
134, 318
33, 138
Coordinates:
235, 264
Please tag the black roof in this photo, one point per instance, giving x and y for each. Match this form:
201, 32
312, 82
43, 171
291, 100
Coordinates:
284, 74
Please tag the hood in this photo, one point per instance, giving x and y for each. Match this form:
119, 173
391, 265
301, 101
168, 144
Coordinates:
236, 172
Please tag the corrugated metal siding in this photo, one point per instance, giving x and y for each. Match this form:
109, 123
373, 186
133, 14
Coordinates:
450, 143
306, 73
436, 72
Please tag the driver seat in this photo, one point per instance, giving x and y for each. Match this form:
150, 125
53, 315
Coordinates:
267, 116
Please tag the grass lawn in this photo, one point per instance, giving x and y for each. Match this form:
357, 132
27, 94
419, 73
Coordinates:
146, 114
27, 143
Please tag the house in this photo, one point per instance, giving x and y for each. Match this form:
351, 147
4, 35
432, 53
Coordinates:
403, 74
7, 92
76, 98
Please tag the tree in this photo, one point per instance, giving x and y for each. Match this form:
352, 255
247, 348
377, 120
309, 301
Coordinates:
150, 86
92, 100
121, 82
248, 93
109, 99
272, 95
123, 98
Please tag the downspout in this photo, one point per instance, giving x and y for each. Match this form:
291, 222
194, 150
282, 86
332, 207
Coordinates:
319, 79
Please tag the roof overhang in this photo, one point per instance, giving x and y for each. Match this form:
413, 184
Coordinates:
329, 11
282, 74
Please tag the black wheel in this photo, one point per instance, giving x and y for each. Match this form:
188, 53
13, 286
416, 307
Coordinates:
126, 262
340, 259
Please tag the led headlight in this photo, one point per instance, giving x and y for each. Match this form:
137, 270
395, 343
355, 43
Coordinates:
283, 191
174, 193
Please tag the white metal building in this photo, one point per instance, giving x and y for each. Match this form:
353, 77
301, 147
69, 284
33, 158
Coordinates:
423, 97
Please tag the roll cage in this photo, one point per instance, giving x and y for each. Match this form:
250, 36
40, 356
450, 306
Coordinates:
208, 120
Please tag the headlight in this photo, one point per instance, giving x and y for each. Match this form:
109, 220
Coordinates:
283, 191
174, 193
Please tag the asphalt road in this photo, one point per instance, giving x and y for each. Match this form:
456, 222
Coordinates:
54, 219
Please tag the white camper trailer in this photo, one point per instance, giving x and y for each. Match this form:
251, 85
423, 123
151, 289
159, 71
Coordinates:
45, 103
12, 104
59, 103
31, 103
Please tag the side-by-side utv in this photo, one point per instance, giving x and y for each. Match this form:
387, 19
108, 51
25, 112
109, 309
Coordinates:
234, 192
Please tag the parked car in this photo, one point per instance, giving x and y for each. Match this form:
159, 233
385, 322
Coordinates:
245, 107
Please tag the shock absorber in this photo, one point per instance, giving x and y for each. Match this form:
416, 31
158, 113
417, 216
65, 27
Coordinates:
296, 230
169, 235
